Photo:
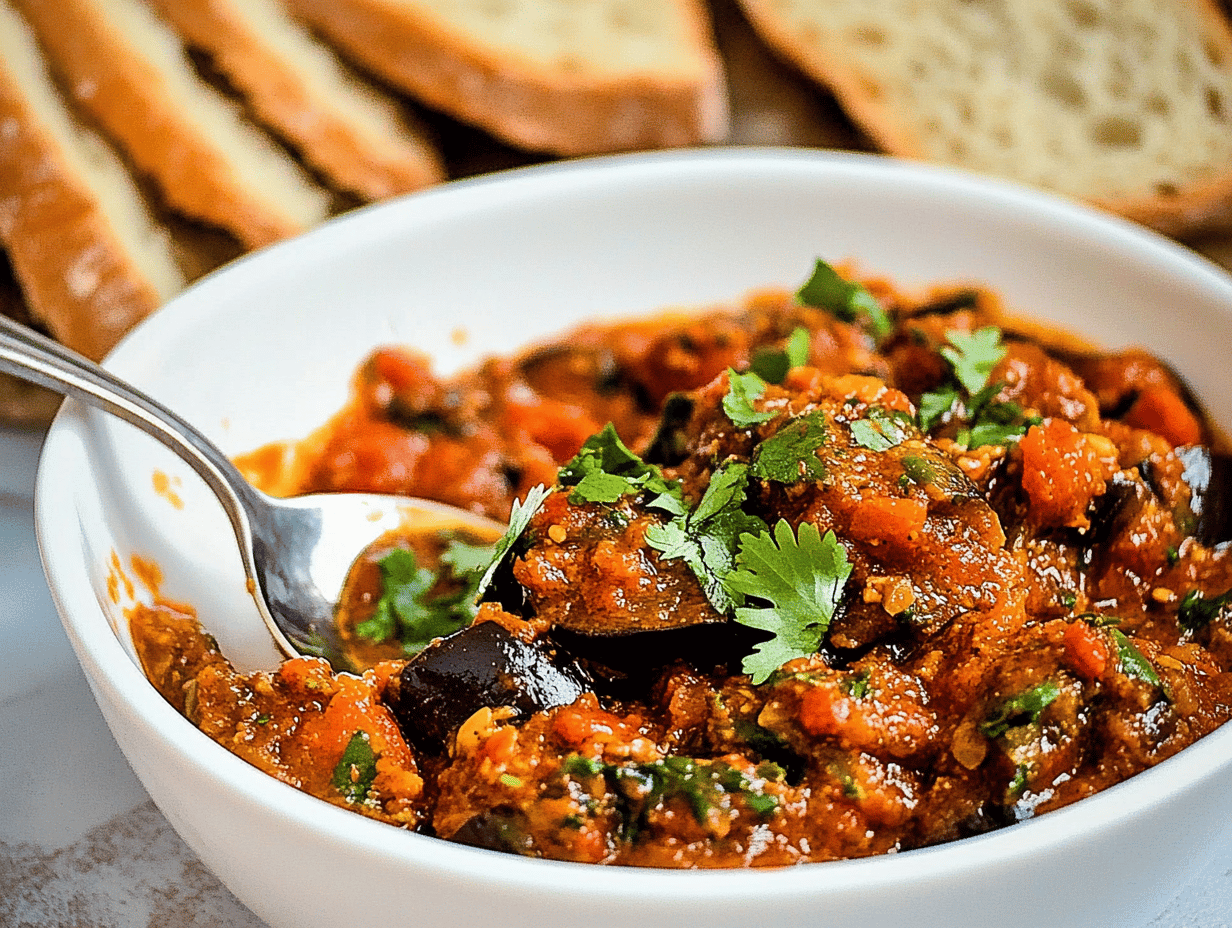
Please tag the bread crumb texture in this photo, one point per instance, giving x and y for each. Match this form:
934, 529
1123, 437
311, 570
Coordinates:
1101, 99
600, 37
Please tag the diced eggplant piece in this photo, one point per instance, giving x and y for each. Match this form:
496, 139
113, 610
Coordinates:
1209, 476
480, 666
1112, 510
497, 829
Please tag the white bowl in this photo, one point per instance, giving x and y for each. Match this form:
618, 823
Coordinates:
263, 350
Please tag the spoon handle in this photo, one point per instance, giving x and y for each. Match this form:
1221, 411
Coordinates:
32, 356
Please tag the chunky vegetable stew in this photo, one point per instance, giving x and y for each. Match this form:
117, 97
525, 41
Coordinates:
834, 573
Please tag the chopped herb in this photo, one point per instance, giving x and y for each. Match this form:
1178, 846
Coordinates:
856, 686
790, 454
773, 364
355, 772
464, 559
759, 738
1018, 785
578, 766
604, 470
1132, 662
742, 391
881, 430
638, 788
973, 356
706, 538
801, 577
1100, 620
844, 299
406, 610
1172, 555
262, 719
519, 518
1023, 709
935, 405
918, 470
508, 779
1196, 611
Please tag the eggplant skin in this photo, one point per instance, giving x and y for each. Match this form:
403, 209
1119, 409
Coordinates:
482, 666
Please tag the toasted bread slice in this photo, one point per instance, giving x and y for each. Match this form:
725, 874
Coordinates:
1123, 103
568, 77
90, 258
343, 126
130, 72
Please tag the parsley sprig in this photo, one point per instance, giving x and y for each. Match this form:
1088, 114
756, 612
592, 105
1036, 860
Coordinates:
972, 357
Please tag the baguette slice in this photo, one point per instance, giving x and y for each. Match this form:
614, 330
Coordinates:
90, 259
341, 125
129, 71
569, 77
1123, 103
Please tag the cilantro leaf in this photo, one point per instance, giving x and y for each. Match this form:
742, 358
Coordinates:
1196, 611
1023, 709
1133, 663
706, 538
935, 404
519, 518
407, 612
464, 559
773, 364
604, 470
844, 299
790, 454
355, 772
973, 356
742, 390
801, 576
880, 431
403, 584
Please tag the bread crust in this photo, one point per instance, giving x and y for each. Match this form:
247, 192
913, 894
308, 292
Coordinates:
520, 100
366, 163
1193, 208
78, 278
120, 88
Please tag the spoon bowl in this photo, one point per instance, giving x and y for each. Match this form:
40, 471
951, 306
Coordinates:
297, 553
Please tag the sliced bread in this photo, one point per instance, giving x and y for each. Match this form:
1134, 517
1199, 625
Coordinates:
567, 77
90, 259
1124, 103
341, 125
130, 72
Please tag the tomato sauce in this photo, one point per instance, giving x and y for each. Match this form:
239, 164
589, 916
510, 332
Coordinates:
848, 574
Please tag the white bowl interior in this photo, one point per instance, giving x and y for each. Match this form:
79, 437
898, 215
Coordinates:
264, 350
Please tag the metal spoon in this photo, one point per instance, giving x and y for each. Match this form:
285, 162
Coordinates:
296, 552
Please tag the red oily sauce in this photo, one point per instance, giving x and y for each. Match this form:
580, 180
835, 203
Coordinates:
827, 575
